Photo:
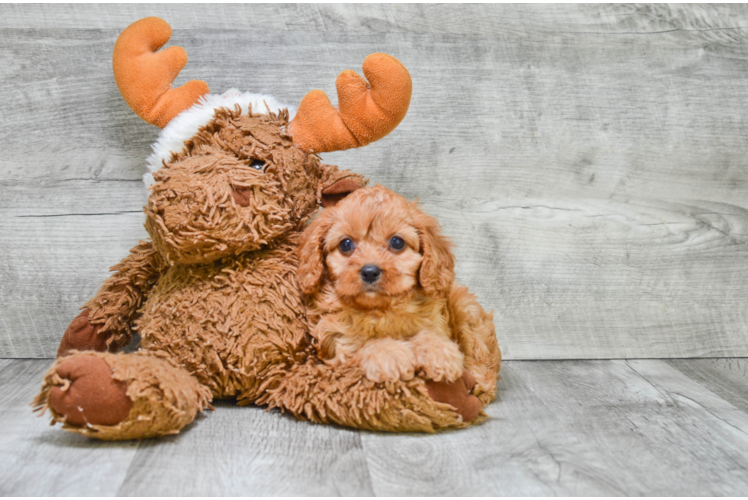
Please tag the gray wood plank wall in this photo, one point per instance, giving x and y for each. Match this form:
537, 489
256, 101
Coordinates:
590, 161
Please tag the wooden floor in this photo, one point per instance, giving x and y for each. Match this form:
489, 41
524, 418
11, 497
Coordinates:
621, 427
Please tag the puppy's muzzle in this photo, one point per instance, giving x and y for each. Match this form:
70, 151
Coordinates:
370, 274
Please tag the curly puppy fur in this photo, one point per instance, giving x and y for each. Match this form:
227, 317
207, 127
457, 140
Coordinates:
216, 301
410, 317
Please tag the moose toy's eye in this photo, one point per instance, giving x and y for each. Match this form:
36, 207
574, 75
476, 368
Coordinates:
346, 246
258, 165
397, 243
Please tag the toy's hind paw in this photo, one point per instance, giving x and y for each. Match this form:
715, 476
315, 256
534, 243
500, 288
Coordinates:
88, 393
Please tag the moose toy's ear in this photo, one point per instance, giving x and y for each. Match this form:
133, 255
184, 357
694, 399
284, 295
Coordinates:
331, 195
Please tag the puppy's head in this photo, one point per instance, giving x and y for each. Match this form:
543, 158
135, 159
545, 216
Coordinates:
375, 246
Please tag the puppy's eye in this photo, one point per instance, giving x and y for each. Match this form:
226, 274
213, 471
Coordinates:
258, 165
346, 246
397, 243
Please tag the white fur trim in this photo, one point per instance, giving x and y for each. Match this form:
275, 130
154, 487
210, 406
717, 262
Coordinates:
186, 124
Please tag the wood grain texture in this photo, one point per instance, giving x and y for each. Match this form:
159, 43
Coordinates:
588, 160
582, 428
724, 377
575, 428
401, 18
245, 451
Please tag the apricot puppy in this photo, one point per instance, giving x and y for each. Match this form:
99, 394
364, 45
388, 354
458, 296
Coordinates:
379, 277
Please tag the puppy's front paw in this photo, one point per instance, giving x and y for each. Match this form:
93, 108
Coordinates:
439, 358
387, 360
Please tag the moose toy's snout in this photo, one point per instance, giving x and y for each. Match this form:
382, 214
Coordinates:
240, 196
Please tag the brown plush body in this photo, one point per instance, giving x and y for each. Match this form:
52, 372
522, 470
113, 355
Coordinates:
230, 322
214, 294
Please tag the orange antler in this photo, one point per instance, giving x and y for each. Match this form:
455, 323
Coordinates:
367, 112
144, 76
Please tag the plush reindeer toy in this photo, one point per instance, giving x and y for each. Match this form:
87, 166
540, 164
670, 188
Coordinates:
214, 294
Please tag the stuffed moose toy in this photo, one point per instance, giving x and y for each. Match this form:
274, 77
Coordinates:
213, 294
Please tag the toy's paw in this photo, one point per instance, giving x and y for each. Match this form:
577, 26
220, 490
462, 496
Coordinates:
89, 395
438, 358
81, 335
457, 394
387, 360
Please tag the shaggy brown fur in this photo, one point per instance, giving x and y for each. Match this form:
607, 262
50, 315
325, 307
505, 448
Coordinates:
216, 301
404, 320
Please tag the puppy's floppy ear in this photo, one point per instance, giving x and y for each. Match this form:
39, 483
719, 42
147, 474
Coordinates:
437, 271
311, 258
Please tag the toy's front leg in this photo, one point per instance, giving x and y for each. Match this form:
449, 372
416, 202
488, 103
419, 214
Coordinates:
320, 393
121, 396
106, 322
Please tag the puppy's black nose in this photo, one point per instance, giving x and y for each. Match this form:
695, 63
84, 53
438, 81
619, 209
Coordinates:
370, 273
